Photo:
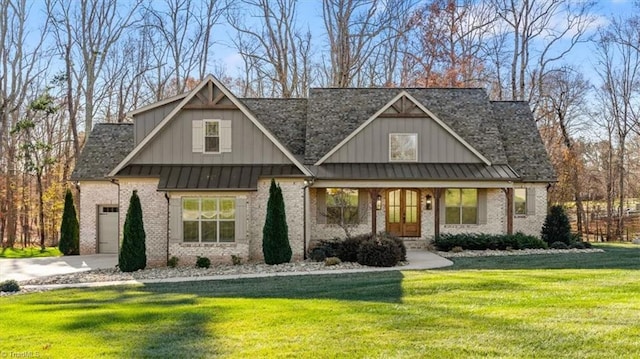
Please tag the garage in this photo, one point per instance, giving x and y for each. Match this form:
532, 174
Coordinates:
108, 229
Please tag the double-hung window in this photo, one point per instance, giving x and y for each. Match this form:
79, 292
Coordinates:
342, 206
461, 206
211, 136
208, 219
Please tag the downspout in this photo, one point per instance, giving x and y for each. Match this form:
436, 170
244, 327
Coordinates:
117, 183
166, 196
305, 189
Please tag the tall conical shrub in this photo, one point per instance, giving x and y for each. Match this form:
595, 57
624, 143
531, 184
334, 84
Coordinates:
69, 228
556, 227
275, 233
133, 252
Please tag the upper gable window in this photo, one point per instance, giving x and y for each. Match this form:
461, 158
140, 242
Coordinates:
211, 136
403, 147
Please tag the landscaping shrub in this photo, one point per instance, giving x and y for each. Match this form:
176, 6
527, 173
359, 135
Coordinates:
325, 249
332, 261
577, 245
203, 262
347, 250
587, 245
378, 252
9, 286
317, 254
457, 249
556, 227
173, 262
69, 228
275, 233
480, 241
559, 245
133, 255
399, 243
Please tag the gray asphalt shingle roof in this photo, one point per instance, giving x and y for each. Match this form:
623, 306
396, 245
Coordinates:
334, 113
522, 143
285, 118
107, 145
504, 132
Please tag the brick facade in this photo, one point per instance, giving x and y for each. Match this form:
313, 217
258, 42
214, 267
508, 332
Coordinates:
154, 216
92, 195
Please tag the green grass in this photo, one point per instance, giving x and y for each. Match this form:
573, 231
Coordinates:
522, 310
30, 252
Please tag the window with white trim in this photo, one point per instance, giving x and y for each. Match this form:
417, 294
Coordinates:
211, 136
208, 219
461, 206
403, 147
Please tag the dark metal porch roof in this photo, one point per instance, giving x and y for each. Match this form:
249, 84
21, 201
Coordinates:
208, 177
415, 171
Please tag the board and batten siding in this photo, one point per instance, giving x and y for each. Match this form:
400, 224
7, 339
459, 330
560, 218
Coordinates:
145, 122
435, 144
174, 144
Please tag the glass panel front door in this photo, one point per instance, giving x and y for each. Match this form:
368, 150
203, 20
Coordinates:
403, 212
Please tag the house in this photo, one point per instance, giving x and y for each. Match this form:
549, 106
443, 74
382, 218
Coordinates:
413, 162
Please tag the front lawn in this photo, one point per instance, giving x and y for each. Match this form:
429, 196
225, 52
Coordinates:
510, 313
30, 252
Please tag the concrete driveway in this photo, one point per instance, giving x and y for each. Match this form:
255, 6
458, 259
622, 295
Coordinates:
29, 268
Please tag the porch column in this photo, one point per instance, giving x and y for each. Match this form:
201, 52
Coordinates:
436, 212
509, 196
374, 192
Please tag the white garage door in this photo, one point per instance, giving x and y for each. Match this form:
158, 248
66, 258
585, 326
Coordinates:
108, 229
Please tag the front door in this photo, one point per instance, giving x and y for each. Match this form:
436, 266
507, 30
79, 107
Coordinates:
403, 212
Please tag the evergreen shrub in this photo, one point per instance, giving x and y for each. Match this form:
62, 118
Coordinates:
275, 233
556, 227
481, 241
133, 255
69, 228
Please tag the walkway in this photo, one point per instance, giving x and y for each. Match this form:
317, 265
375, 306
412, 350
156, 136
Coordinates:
37, 267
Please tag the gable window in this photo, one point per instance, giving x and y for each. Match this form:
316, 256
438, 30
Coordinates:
403, 147
208, 219
211, 136
342, 206
520, 201
461, 206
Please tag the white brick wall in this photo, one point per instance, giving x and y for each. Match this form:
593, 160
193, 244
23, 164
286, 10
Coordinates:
496, 220
532, 224
292, 192
154, 216
93, 194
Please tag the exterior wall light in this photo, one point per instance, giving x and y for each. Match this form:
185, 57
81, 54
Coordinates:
379, 203
429, 203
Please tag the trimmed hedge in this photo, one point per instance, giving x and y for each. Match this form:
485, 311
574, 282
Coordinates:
482, 241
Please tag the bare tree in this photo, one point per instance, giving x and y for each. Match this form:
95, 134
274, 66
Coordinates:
179, 32
558, 24
275, 49
354, 29
447, 48
21, 64
563, 108
619, 69
86, 32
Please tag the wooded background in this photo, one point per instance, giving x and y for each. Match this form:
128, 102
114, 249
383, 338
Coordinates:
66, 65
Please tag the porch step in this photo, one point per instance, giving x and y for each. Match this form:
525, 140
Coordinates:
415, 243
